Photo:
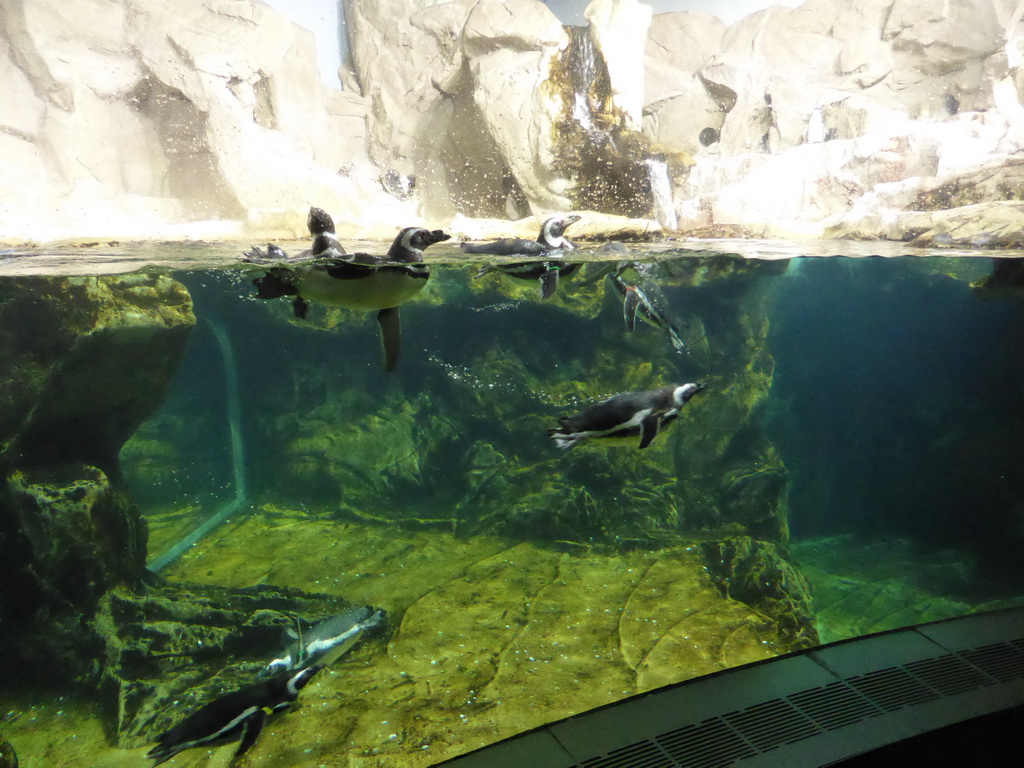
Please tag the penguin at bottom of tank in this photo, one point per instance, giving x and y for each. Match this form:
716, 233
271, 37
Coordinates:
238, 714
330, 639
625, 418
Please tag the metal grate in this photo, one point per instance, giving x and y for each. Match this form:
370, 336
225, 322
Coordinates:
710, 744
772, 724
643, 754
834, 705
892, 688
949, 674
739, 735
1003, 661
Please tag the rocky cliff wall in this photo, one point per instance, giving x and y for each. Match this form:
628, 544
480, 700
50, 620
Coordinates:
127, 117
826, 120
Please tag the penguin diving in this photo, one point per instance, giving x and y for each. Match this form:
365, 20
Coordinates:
549, 243
326, 274
645, 298
238, 714
625, 418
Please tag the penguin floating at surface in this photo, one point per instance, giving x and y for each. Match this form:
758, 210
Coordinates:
325, 243
622, 419
327, 275
238, 714
550, 242
328, 640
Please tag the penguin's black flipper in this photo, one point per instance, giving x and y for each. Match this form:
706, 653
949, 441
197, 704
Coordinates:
649, 429
548, 283
630, 303
300, 307
390, 336
275, 283
251, 731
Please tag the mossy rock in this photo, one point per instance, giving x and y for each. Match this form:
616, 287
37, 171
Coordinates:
763, 575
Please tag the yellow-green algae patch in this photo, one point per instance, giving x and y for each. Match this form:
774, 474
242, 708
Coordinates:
487, 639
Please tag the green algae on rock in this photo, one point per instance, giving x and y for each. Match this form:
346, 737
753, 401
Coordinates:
85, 361
8, 758
491, 636
460, 444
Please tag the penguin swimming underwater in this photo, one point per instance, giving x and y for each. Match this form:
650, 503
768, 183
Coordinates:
550, 242
646, 300
328, 640
240, 713
623, 418
358, 281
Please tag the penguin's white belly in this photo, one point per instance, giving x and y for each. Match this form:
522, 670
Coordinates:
380, 290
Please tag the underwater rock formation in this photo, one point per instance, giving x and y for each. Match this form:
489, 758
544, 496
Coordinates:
460, 443
86, 360
167, 647
763, 575
67, 343
8, 758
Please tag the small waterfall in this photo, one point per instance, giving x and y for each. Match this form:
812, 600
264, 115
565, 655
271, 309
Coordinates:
582, 58
661, 193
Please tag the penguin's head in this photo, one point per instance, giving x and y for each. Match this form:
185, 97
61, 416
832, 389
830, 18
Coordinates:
553, 229
684, 392
319, 221
411, 241
297, 681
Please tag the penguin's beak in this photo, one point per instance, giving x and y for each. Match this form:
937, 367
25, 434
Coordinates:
437, 236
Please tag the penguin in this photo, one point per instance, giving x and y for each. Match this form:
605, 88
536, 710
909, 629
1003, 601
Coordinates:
547, 273
550, 242
238, 714
325, 243
551, 238
621, 419
358, 281
328, 640
646, 301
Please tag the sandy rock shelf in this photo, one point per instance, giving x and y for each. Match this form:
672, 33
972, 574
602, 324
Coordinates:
487, 639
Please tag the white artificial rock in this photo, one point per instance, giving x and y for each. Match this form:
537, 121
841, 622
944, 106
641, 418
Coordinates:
136, 115
141, 114
619, 30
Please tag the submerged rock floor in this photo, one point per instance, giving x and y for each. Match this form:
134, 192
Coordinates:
488, 638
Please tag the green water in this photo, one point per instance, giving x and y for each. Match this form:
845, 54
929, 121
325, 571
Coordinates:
854, 464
